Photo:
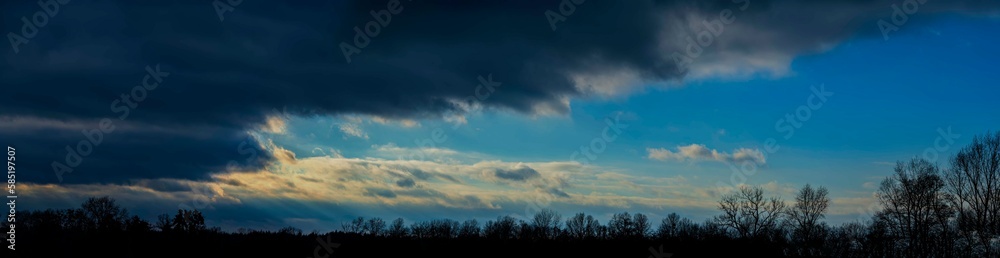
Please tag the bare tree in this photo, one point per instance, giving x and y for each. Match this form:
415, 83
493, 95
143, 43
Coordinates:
620, 225
503, 228
444, 228
356, 225
136, 224
163, 223
76, 220
592, 227
672, 226
375, 226
575, 226
398, 228
846, 240
470, 229
421, 229
546, 223
603, 232
290, 230
105, 213
189, 221
710, 229
640, 226
582, 226
805, 216
974, 181
749, 214
915, 207
625, 226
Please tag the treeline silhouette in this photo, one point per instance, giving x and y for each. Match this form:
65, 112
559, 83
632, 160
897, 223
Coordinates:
924, 211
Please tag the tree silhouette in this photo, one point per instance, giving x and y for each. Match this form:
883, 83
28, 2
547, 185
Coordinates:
620, 225
804, 217
545, 223
469, 229
444, 228
163, 223
916, 208
923, 214
502, 228
357, 226
188, 221
136, 224
421, 229
672, 227
374, 226
76, 220
974, 181
582, 226
289, 230
104, 213
749, 214
640, 226
398, 228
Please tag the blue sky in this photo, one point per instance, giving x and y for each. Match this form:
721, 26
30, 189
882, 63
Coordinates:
890, 99
397, 152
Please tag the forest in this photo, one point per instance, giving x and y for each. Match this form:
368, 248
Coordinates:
925, 210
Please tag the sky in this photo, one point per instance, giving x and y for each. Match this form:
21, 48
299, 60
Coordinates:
265, 115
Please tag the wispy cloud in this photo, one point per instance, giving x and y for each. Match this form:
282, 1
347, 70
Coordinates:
405, 123
391, 149
353, 130
884, 163
698, 152
274, 125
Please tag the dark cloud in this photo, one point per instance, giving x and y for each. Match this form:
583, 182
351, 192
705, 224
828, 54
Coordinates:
420, 174
123, 155
225, 77
557, 192
406, 182
163, 185
311, 179
522, 173
424, 175
386, 193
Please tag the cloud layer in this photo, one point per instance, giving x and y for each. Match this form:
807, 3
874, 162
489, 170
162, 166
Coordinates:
218, 79
332, 188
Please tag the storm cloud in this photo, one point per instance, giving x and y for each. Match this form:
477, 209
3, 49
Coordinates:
218, 79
